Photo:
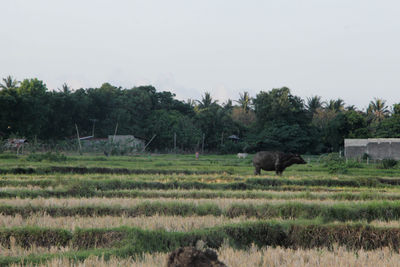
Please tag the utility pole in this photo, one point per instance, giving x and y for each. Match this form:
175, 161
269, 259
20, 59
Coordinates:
148, 143
113, 140
94, 122
115, 132
79, 140
202, 146
175, 143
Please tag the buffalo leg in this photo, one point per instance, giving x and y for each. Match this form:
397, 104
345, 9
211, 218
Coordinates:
257, 170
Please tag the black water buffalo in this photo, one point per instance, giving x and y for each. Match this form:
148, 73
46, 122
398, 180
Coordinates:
275, 161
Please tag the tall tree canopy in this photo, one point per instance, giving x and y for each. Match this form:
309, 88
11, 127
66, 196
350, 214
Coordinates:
274, 119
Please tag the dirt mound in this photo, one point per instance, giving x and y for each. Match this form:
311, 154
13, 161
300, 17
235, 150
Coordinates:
192, 257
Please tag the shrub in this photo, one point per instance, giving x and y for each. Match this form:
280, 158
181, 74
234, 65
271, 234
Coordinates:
334, 163
330, 158
82, 189
353, 164
388, 163
338, 168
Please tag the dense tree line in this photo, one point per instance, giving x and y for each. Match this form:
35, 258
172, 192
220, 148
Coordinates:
273, 119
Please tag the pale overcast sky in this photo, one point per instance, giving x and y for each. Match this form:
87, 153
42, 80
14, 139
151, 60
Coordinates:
331, 48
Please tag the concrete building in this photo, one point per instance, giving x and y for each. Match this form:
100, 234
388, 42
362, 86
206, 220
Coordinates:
376, 148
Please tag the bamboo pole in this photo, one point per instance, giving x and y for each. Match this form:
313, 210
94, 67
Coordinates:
79, 140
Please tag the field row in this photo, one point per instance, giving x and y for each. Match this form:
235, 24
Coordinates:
155, 222
90, 185
125, 241
369, 211
252, 257
167, 164
168, 223
309, 194
221, 203
206, 178
89, 170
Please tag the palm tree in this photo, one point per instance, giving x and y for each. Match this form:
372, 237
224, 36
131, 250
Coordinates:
65, 88
206, 101
9, 83
244, 101
228, 105
396, 109
314, 103
191, 102
378, 109
351, 108
335, 105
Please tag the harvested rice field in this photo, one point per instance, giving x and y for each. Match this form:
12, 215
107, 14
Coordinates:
133, 210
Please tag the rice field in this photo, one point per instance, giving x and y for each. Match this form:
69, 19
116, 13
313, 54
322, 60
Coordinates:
132, 211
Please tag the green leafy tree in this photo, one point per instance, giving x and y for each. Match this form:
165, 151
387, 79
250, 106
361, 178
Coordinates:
356, 124
278, 135
349, 124
213, 122
242, 117
279, 105
32, 87
167, 101
167, 123
390, 126
30, 111
282, 122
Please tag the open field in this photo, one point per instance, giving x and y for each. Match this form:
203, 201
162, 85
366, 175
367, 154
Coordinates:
104, 211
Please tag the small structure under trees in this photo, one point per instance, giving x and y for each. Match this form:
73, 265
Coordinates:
234, 138
374, 148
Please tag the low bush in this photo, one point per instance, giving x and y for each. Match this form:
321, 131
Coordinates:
353, 164
79, 189
335, 163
